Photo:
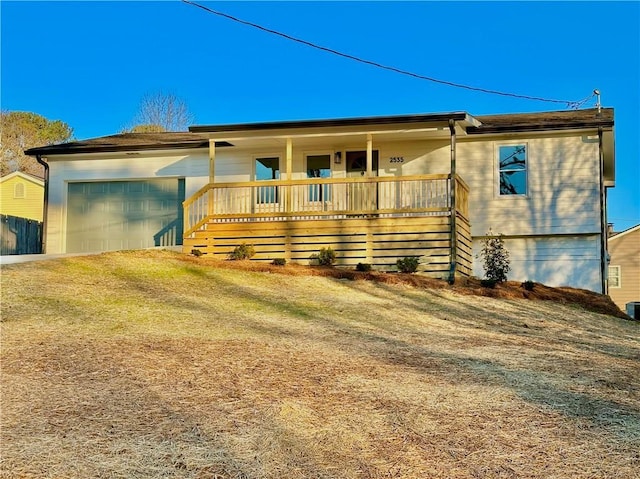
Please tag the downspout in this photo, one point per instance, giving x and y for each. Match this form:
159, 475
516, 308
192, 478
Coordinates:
603, 218
45, 211
453, 214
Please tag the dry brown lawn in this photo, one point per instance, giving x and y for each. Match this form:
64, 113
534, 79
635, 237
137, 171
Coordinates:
154, 364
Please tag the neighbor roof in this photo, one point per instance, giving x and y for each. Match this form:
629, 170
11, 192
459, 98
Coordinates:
625, 232
24, 176
198, 136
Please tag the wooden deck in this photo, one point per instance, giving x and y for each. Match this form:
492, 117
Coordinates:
364, 220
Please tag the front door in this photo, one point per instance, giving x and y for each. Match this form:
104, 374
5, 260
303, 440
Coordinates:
357, 163
362, 197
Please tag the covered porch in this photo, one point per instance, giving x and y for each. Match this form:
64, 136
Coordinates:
364, 220
376, 212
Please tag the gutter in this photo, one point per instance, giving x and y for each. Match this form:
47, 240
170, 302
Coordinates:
453, 213
604, 254
43, 235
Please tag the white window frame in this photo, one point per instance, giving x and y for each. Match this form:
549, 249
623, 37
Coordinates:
498, 170
618, 275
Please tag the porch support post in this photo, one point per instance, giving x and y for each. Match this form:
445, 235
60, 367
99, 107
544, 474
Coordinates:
212, 160
369, 155
212, 174
289, 166
453, 213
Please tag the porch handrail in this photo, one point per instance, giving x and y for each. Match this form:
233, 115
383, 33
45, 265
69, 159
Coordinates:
419, 194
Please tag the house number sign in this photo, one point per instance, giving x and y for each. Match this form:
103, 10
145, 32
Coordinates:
396, 159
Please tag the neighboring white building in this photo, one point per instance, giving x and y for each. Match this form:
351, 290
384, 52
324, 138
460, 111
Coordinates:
374, 189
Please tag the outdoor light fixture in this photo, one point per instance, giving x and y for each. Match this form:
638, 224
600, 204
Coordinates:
337, 158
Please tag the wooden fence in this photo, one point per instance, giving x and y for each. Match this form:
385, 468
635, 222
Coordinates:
20, 235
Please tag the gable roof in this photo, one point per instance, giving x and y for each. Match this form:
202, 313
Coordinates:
198, 136
24, 176
552, 120
625, 232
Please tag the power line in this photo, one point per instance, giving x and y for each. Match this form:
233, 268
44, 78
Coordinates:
575, 104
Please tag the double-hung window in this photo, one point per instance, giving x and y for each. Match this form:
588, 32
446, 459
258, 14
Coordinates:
614, 277
266, 169
512, 166
319, 166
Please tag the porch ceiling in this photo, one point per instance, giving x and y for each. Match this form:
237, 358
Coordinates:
334, 138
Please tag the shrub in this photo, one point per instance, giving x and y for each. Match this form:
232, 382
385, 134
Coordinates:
495, 258
196, 252
364, 267
408, 264
279, 262
488, 283
528, 285
326, 257
243, 251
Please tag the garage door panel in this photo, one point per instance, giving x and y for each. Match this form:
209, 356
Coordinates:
119, 215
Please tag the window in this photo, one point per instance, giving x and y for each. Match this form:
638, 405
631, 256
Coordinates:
614, 277
319, 166
19, 190
513, 169
267, 169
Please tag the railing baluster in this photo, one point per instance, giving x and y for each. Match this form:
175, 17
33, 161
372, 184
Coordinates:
329, 197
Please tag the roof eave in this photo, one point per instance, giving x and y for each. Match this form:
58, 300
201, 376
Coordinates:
340, 122
483, 130
61, 150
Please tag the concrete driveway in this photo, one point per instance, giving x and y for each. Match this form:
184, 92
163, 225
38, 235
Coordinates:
25, 258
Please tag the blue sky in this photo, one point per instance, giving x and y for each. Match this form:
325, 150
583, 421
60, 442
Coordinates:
90, 63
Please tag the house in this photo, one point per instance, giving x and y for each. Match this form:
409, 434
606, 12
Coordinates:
374, 189
22, 195
624, 267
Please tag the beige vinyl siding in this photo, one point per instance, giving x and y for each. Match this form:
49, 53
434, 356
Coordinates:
562, 190
625, 253
29, 206
554, 261
191, 165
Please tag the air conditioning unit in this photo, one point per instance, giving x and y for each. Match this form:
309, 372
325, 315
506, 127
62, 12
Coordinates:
633, 309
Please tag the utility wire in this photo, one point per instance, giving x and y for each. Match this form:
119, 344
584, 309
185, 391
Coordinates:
574, 104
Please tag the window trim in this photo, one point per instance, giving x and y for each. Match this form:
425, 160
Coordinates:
619, 275
498, 171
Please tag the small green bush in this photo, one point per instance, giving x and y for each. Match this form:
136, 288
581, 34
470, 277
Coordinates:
528, 285
495, 257
196, 252
243, 251
364, 267
408, 264
279, 261
326, 257
488, 283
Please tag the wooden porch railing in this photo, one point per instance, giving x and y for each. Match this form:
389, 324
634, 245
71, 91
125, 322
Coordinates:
324, 198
